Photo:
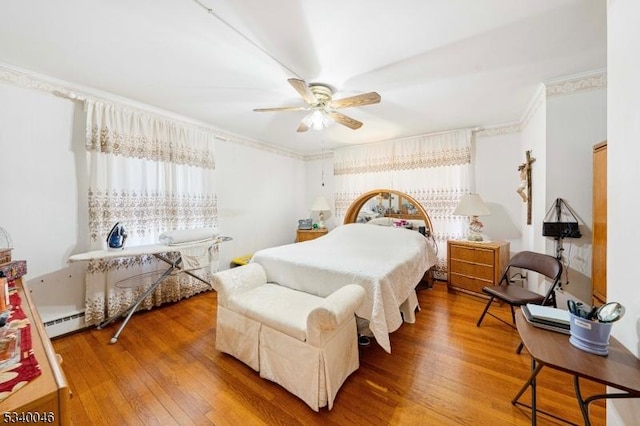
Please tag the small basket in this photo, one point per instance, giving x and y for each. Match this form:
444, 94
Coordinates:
589, 336
304, 224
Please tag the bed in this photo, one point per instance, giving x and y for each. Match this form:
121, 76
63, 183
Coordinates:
388, 261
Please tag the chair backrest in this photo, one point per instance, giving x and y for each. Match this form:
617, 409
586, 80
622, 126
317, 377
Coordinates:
544, 264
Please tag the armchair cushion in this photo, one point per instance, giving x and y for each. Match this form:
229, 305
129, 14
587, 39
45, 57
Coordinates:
279, 307
336, 308
305, 343
235, 281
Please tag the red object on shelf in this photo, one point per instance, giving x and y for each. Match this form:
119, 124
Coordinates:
27, 369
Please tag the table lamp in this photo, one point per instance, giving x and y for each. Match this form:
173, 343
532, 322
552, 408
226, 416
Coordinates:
320, 205
472, 205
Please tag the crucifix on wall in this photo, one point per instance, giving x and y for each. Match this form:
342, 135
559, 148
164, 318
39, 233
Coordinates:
524, 188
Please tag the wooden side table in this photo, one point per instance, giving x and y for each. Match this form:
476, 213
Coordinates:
310, 234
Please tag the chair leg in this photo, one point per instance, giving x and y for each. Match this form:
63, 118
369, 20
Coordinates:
520, 346
486, 308
513, 314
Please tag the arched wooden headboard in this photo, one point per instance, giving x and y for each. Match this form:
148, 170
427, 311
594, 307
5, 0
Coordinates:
353, 210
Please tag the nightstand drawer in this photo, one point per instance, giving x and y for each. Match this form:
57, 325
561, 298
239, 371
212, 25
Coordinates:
468, 283
483, 272
310, 234
472, 254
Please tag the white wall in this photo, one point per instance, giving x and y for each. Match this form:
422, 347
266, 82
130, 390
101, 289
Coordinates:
575, 122
261, 194
623, 151
496, 180
319, 170
40, 194
560, 127
534, 133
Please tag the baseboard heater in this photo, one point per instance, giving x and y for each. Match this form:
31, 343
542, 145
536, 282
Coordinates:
65, 325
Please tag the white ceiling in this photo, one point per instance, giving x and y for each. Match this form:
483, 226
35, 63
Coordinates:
437, 64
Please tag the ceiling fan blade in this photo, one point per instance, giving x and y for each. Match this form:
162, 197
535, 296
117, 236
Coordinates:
344, 120
301, 108
303, 88
302, 128
358, 100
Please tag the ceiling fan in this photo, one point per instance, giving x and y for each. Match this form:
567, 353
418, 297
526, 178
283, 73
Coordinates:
323, 108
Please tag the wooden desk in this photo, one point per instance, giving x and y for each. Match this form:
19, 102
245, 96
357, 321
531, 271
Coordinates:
620, 369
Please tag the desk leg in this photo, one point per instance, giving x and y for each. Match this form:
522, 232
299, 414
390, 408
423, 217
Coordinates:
584, 403
531, 381
584, 407
133, 307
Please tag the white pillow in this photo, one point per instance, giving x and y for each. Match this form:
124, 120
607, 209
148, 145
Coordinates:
183, 236
382, 221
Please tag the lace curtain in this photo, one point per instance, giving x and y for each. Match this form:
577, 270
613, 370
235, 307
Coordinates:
433, 169
151, 175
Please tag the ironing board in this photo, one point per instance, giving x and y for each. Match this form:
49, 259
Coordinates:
157, 250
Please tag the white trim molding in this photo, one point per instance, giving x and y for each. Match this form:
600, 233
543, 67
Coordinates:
503, 129
321, 156
62, 89
575, 84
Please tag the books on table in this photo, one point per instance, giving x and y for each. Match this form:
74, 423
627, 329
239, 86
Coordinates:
547, 317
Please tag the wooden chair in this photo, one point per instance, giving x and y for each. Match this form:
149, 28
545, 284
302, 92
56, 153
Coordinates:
515, 295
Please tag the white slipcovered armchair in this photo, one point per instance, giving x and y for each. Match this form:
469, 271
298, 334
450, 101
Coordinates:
305, 343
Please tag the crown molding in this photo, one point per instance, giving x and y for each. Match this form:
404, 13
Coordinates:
499, 130
534, 105
323, 156
551, 88
577, 83
30, 80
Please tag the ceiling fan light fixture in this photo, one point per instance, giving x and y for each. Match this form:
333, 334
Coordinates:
323, 108
318, 120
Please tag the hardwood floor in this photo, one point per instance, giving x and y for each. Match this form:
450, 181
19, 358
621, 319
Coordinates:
443, 370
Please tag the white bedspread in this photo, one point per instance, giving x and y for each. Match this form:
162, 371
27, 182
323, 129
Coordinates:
388, 262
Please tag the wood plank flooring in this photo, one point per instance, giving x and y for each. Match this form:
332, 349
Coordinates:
443, 370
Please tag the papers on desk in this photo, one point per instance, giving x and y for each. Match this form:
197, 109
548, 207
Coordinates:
547, 317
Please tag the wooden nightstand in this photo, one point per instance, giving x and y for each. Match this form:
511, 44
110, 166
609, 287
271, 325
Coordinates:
473, 265
310, 234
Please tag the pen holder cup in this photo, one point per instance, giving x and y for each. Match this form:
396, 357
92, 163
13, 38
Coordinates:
589, 336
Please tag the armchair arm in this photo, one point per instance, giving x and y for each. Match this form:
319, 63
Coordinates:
238, 280
336, 308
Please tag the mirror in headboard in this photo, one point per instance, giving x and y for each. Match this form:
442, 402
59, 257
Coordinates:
387, 203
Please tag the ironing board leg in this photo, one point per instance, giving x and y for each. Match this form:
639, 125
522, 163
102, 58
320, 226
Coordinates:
134, 307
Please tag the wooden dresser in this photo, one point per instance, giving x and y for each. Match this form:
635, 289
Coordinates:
599, 243
47, 396
473, 265
310, 234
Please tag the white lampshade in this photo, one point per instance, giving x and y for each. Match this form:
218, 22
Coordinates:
471, 205
320, 205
